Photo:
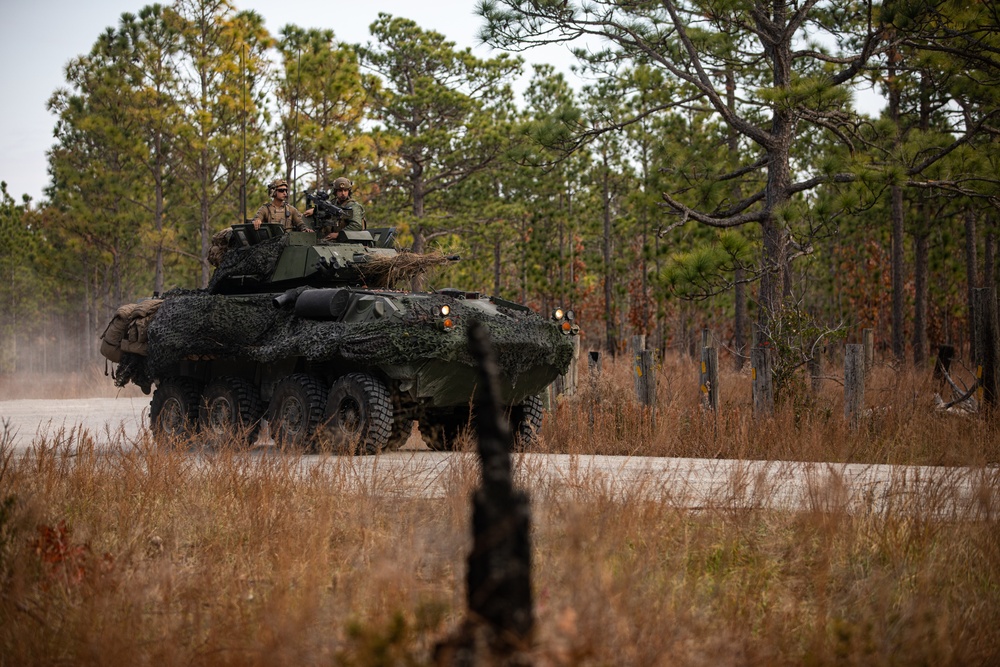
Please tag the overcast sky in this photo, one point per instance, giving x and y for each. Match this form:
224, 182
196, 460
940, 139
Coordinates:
42, 36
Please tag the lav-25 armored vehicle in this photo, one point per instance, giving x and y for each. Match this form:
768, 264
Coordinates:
309, 336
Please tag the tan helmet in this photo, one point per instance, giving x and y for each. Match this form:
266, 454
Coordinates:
274, 185
341, 183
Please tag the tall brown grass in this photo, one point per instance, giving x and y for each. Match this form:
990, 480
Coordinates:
126, 553
901, 424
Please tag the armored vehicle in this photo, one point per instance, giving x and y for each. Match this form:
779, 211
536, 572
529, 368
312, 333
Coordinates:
310, 336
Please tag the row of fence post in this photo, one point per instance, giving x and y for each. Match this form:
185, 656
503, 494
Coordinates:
859, 359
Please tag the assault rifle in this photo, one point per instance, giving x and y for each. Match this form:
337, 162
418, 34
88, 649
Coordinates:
326, 213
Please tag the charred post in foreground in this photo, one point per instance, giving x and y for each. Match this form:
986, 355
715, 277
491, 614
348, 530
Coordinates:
499, 577
500, 616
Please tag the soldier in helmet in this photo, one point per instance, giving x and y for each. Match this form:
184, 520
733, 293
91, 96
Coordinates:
278, 210
342, 188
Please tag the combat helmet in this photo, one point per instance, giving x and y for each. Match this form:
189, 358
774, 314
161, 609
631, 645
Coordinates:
274, 185
342, 183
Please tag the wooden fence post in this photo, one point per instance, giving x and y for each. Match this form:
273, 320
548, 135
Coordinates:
645, 378
710, 377
763, 388
594, 372
854, 384
868, 340
646, 373
638, 344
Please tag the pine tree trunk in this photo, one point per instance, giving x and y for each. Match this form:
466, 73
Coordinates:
419, 240
971, 277
740, 288
779, 179
921, 268
496, 265
611, 337
989, 254
158, 277
898, 336
740, 320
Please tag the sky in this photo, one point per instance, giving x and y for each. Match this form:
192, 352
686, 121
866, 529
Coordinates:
42, 36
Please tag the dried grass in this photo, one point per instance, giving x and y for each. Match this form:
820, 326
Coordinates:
133, 554
386, 272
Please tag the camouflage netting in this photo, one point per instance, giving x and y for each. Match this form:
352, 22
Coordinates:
257, 261
193, 324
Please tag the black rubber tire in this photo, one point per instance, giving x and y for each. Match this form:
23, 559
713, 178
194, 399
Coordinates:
230, 406
296, 410
173, 410
359, 413
442, 429
526, 422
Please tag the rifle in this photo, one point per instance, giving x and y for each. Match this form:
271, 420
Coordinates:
326, 213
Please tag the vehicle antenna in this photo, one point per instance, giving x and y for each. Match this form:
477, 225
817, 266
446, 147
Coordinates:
243, 160
295, 125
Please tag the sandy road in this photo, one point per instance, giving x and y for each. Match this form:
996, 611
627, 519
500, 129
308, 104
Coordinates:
23, 420
945, 493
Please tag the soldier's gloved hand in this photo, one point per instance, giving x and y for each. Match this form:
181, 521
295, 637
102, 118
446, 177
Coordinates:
256, 223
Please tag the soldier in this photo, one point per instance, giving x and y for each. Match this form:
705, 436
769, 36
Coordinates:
342, 188
279, 210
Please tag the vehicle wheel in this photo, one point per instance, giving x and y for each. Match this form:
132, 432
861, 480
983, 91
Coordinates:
230, 407
173, 411
359, 411
296, 410
526, 422
442, 431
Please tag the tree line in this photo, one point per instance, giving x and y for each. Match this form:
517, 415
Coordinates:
713, 170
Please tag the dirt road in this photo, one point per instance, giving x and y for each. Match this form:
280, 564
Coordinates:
25, 419
947, 493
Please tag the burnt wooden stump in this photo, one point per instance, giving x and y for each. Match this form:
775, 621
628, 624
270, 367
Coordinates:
500, 622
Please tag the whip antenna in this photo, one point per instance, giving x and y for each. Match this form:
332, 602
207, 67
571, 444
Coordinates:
295, 125
243, 160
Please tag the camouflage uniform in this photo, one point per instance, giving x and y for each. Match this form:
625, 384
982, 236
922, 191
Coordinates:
357, 219
283, 214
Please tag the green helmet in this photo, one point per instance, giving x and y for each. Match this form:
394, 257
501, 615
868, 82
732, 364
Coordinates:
341, 184
274, 185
